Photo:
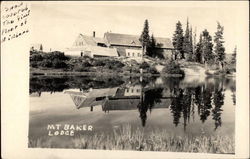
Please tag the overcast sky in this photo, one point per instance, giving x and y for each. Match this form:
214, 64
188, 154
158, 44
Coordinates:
57, 24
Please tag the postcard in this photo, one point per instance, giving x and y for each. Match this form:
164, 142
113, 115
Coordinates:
121, 79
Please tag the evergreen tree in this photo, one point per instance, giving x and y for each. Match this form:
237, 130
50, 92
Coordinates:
207, 47
194, 42
178, 40
198, 51
151, 49
41, 47
191, 45
152, 41
145, 38
219, 49
186, 43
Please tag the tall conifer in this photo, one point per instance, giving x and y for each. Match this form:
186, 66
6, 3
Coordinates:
178, 40
145, 38
219, 49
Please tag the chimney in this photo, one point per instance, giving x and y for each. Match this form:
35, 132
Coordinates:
93, 33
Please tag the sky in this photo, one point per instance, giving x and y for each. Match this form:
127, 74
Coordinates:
57, 24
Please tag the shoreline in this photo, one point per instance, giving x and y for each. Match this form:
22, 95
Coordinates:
69, 73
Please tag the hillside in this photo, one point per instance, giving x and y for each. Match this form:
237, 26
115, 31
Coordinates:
193, 68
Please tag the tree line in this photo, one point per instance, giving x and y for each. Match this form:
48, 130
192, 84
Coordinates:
207, 50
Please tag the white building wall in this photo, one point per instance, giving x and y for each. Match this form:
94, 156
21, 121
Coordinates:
133, 91
134, 53
73, 52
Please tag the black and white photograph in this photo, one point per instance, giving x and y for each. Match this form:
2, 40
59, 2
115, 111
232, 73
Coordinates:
130, 76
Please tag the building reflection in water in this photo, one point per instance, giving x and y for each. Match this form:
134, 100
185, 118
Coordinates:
207, 99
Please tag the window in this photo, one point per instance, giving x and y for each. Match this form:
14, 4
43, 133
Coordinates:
128, 53
127, 90
132, 90
133, 54
138, 54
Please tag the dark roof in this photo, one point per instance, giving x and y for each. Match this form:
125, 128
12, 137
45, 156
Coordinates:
122, 39
121, 104
133, 40
89, 40
131, 104
99, 40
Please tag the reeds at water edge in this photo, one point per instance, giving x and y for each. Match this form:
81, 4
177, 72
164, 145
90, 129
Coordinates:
124, 138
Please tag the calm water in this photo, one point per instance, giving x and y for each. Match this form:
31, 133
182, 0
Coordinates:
184, 107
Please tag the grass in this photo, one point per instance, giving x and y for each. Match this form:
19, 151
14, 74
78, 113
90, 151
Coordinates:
125, 138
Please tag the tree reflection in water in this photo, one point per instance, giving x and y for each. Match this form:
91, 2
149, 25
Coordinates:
148, 99
206, 104
183, 99
218, 103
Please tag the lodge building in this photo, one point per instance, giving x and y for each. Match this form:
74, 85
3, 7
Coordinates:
114, 45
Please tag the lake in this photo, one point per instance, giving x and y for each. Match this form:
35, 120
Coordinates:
133, 113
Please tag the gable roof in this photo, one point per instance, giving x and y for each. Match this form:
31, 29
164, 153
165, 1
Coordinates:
122, 39
131, 104
99, 40
82, 99
121, 104
88, 40
133, 40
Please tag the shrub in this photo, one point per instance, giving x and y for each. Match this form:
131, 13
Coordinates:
55, 55
85, 58
112, 64
144, 65
172, 67
45, 63
33, 64
98, 63
86, 64
35, 52
135, 70
36, 57
119, 64
80, 68
59, 64
153, 70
